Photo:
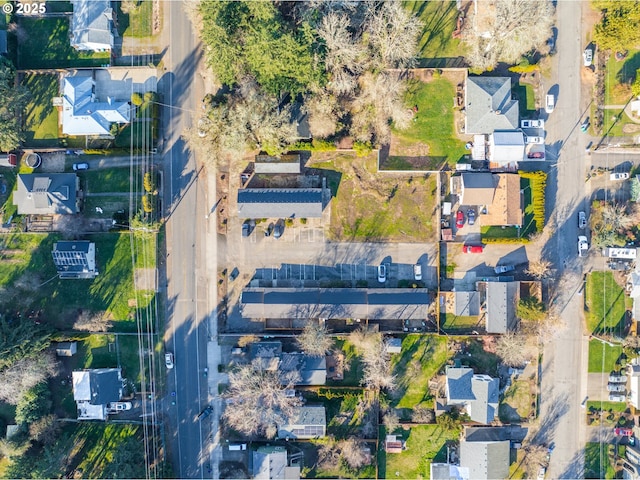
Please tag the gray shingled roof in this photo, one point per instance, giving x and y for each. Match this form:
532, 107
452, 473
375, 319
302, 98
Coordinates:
46, 194
312, 370
280, 203
459, 384
485, 460
98, 386
467, 304
309, 421
91, 24
269, 463
501, 306
267, 164
489, 105
478, 188
478, 393
336, 303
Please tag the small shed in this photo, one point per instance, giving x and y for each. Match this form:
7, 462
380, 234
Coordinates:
394, 345
393, 444
66, 349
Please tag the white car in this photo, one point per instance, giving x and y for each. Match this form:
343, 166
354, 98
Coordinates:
542, 472
618, 176
617, 379
534, 140
417, 272
587, 56
582, 220
168, 360
616, 387
382, 273
550, 103
119, 406
531, 123
583, 246
616, 397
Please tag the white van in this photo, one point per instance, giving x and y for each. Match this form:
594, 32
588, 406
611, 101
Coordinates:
237, 447
550, 103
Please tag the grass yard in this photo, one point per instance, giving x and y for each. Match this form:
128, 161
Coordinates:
369, 206
459, 322
421, 358
314, 470
606, 304
46, 45
596, 461
108, 180
602, 357
425, 444
517, 403
138, 23
353, 367
137, 134
109, 205
498, 232
40, 116
613, 127
616, 407
439, 20
348, 411
526, 98
620, 73
433, 125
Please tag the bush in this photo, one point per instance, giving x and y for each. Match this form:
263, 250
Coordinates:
34, 404
149, 183
315, 146
537, 183
136, 99
150, 97
362, 149
504, 240
303, 221
148, 203
288, 222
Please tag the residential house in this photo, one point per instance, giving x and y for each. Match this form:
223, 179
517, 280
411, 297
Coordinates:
94, 390
477, 394
272, 463
280, 203
75, 259
66, 349
46, 194
483, 433
303, 369
489, 105
467, 304
501, 301
477, 188
92, 25
447, 471
497, 197
267, 164
306, 422
485, 460
336, 303
506, 149
631, 463
633, 372
84, 112
266, 354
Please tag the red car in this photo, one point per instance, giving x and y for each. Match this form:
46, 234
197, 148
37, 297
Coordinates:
459, 219
627, 432
472, 248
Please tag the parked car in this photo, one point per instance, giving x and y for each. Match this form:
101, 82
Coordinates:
471, 216
417, 272
278, 229
583, 246
615, 387
587, 56
618, 176
542, 472
205, 413
550, 103
534, 140
245, 229
627, 432
617, 378
587, 149
459, 219
531, 123
582, 220
585, 125
268, 231
504, 268
168, 360
616, 397
80, 166
535, 155
120, 406
472, 248
382, 273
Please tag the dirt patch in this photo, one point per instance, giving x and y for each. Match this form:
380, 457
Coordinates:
146, 279
630, 128
52, 162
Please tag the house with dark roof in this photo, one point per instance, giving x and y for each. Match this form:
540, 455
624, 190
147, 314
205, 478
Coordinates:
280, 203
75, 259
489, 105
94, 390
266, 354
485, 460
46, 194
477, 394
303, 368
336, 303
92, 25
497, 196
271, 462
306, 422
502, 299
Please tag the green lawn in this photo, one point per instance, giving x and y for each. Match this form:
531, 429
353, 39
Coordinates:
137, 134
498, 232
46, 45
616, 407
353, 371
459, 322
617, 73
109, 206
433, 123
439, 20
138, 23
421, 358
596, 461
516, 404
526, 98
41, 117
606, 304
613, 122
602, 357
425, 444
107, 180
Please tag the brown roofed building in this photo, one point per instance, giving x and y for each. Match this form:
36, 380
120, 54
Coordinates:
506, 208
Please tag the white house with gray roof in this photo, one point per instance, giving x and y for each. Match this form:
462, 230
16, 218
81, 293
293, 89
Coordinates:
46, 194
489, 105
485, 460
94, 390
477, 394
501, 301
270, 462
83, 113
92, 25
306, 422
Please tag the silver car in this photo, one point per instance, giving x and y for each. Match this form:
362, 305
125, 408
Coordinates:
615, 387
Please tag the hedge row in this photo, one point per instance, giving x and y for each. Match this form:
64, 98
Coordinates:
504, 240
538, 184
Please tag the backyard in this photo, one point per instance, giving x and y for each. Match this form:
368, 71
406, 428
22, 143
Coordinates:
40, 116
137, 23
518, 403
596, 461
619, 75
603, 357
46, 45
451, 322
606, 304
369, 206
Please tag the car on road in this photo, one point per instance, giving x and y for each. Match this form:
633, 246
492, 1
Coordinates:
533, 140
504, 269
582, 220
459, 219
472, 248
80, 166
616, 397
587, 149
615, 378
417, 272
382, 273
542, 472
618, 176
550, 103
627, 432
583, 246
205, 413
168, 360
471, 216
585, 125
278, 229
584, 402
587, 56
120, 406
616, 387
531, 123
535, 155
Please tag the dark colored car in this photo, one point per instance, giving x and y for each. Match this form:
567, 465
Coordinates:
245, 229
471, 216
205, 413
459, 219
585, 125
278, 230
267, 232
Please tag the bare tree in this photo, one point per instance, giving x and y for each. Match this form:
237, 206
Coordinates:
534, 457
391, 420
539, 268
614, 216
45, 430
372, 348
257, 399
324, 112
422, 414
92, 322
314, 340
355, 452
512, 349
25, 374
128, 6
505, 30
